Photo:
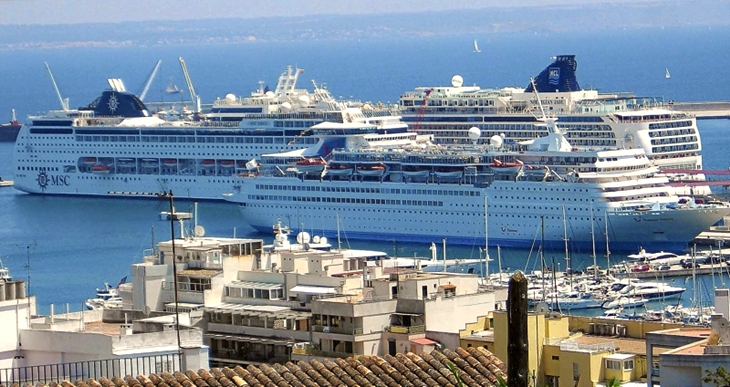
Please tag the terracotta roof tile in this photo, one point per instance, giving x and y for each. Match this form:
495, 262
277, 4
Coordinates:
476, 367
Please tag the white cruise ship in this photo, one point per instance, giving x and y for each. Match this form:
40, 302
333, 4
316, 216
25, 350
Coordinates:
116, 146
591, 120
534, 192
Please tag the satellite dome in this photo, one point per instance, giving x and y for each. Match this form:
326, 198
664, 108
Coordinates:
457, 81
304, 99
315, 239
367, 107
474, 133
230, 97
323, 240
269, 93
303, 237
285, 107
496, 141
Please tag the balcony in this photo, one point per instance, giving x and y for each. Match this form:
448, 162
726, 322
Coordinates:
339, 330
415, 329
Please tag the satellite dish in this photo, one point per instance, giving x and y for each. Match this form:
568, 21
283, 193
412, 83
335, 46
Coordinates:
474, 133
496, 141
303, 237
199, 231
457, 81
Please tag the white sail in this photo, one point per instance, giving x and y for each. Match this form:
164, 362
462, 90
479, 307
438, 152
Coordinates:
666, 73
476, 46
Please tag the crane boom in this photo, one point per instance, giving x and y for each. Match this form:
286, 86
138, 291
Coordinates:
149, 80
64, 105
193, 96
421, 111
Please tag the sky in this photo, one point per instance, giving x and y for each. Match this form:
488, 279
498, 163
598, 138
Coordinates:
106, 11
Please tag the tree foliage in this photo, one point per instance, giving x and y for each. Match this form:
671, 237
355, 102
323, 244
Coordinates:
720, 377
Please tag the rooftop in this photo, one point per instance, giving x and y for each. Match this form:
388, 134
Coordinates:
476, 366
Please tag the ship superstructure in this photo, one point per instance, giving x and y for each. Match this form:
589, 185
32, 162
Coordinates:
591, 120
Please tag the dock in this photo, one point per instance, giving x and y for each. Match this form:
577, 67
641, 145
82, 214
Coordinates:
709, 110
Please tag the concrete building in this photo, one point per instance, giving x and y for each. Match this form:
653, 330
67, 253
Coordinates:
693, 352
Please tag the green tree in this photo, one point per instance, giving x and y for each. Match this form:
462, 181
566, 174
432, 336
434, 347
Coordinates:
720, 377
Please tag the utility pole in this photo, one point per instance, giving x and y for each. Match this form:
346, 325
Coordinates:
174, 272
517, 345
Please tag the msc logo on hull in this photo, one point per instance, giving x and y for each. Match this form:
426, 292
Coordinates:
44, 180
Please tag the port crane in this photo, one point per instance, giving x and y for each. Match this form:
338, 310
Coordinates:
193, 96
421, 110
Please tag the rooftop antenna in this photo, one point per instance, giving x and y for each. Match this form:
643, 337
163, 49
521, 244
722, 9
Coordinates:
149, 80
64, 105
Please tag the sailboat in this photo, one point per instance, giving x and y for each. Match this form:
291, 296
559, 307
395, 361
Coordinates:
476, 46
172, 88
666, 73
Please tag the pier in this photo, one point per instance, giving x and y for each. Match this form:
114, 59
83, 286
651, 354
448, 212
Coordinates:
704, 110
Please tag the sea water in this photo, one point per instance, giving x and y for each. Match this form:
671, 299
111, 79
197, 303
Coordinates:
65, 247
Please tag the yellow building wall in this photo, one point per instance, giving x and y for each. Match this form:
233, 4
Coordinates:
482, 324
589, 368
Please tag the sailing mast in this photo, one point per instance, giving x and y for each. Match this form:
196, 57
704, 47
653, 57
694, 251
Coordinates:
593, 244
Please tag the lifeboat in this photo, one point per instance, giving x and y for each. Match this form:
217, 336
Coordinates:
339, 170
371, 169
414, 171
125, 161
227, 163
170, 162
506, 168
100, 169
89, 160
448, 172
311, 165
208, 162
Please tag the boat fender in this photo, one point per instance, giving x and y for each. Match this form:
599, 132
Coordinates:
306, 246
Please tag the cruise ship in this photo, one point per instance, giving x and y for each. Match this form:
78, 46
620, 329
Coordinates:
117, 146
538, 191
591, 120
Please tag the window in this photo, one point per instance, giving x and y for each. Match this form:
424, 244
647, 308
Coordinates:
614, 364
628, 365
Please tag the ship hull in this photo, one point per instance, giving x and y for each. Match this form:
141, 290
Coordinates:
521, 214
8, 133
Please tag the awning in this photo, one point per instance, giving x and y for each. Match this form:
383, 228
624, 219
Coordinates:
424, 341
448, 287
313, 289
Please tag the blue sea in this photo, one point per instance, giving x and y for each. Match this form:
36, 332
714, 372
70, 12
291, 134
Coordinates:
67, 246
